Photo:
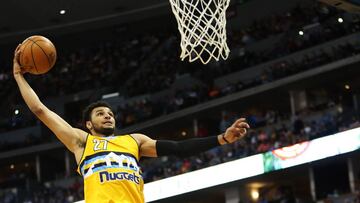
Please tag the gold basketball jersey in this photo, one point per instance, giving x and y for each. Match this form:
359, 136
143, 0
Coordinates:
111, 172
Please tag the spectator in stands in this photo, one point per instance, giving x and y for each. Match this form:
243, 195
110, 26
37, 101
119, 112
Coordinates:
298, 124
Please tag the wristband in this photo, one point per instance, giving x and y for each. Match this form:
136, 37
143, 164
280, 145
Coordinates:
223, 136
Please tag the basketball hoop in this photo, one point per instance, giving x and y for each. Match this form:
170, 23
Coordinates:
202, 26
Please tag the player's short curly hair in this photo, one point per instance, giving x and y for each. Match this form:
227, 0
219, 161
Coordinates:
86, 115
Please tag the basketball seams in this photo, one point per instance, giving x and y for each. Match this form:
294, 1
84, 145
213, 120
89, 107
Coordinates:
51, 44
47, 57
22, 55
32, 55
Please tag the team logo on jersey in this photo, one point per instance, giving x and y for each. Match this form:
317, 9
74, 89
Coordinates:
108, 161
106, 177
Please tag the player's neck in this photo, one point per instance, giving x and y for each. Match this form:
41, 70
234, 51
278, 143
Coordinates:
100, 134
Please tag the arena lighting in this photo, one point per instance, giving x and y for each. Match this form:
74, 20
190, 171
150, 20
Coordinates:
286, 157
62, 12
301, 33
107, 96
16, 111
347, 87
340, 20
255, 194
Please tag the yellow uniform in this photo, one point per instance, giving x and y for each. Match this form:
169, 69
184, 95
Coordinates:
111, 172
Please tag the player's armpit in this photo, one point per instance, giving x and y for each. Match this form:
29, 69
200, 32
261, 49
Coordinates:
69, 136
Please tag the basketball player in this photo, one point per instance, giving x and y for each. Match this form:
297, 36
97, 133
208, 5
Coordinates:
109, 163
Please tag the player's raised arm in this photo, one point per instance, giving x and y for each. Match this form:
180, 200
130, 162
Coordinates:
153, 148
71, 137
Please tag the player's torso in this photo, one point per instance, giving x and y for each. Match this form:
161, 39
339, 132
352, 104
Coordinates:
111, 171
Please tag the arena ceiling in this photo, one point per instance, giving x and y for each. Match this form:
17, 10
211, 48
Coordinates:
19, 17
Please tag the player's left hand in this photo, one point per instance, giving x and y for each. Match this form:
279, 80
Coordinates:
237, 130
17, 69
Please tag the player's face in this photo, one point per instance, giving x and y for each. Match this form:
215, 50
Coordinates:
103, 121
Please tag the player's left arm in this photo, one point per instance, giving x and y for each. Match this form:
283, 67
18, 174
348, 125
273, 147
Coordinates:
154, 148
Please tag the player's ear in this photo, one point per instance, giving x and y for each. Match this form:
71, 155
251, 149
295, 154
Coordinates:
89, 125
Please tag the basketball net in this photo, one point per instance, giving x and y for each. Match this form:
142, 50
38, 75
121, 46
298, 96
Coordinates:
202, 26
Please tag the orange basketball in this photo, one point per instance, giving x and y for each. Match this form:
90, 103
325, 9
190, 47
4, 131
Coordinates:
38, 54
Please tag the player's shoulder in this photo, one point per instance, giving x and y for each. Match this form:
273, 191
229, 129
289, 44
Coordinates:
139, 137
137, 134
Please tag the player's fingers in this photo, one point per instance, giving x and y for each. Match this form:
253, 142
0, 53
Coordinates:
243, 125
237, 131
240, 132
17, 53
239, 121
243, 131
17, 48
25, 69
234, 131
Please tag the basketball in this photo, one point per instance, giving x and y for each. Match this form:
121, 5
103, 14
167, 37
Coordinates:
38, 55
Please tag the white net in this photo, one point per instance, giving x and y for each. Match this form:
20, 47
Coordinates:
202, 26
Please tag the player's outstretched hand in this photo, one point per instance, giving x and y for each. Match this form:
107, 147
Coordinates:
236, 131
17, 69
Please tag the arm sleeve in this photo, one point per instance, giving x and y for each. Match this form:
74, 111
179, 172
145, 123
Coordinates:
187, 147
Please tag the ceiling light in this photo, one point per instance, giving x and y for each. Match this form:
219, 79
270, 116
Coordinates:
255, 194
62, 12
340, 20
301, 32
